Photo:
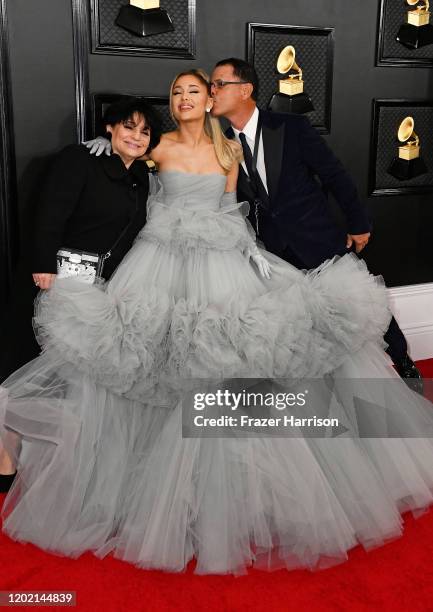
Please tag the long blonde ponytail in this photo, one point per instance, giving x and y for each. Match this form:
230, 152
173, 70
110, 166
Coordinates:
227, 151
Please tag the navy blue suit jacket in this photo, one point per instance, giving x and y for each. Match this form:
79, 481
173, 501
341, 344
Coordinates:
299, 218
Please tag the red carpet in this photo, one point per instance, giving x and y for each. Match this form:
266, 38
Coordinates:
397, 577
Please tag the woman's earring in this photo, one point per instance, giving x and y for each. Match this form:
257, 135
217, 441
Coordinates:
208, 110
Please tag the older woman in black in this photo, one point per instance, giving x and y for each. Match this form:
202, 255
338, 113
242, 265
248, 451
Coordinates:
88, 203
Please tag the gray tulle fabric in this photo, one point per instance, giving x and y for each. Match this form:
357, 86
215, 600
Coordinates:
96, 428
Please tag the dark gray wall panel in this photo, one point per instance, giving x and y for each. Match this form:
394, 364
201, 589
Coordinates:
389, 115
44, 98
8, 195
390, 51
108, 37
42, 89
314, 54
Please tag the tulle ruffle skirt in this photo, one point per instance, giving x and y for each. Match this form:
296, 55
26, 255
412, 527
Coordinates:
95, 421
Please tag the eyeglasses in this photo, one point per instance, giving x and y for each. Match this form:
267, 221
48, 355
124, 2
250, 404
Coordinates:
219, 83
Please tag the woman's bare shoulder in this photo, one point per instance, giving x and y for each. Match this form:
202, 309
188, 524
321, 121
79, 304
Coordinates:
167, 140
170, 137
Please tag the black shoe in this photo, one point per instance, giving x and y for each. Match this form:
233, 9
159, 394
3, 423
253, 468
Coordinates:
410, 374
6, 481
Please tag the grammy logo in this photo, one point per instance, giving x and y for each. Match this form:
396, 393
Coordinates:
419, 16
408, 164
406, 134
291, 97
144, 18
286, 65
418, 31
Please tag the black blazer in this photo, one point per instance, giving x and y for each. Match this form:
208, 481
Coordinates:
86, 203
299, 218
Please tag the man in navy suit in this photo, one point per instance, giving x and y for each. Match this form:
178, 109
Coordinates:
283, 158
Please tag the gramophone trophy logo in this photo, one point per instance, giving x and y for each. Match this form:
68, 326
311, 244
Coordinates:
408, 164
291, 97
418, 31
144, 18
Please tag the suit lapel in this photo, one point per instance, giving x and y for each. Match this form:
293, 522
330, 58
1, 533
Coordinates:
273, 145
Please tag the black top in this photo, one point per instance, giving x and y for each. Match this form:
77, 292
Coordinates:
299, 217
85, 204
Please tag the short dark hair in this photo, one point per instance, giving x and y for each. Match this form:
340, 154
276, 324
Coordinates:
244, 71
125, 108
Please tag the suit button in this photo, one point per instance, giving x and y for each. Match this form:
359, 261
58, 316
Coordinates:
134, 185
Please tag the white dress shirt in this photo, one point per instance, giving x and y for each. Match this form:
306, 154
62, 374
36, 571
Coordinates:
250, 130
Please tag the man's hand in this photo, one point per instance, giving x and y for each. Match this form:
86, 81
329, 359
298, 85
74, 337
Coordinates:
43, 280
360, 240
98, 146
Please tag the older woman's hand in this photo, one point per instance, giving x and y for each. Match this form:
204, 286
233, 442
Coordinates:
43, 280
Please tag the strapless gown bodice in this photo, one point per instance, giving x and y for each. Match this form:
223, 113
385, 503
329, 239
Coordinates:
193, 191
194, 211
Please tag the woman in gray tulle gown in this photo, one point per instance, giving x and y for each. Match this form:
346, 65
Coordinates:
103, 465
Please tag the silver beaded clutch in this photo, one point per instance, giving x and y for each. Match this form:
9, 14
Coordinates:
85, 266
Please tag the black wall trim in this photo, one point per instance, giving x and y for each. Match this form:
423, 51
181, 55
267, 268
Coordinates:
8, 186
388, 51
319, 84
403, 107
123, 42
80, 32
100, 101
